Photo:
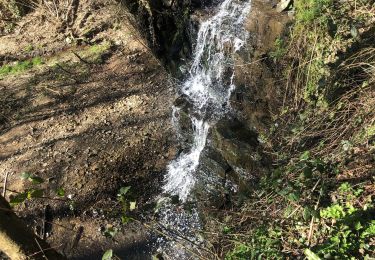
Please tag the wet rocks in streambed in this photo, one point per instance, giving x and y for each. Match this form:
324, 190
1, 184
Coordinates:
184, 124
237, 144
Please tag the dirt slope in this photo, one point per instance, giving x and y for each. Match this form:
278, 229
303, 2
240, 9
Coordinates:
90, 120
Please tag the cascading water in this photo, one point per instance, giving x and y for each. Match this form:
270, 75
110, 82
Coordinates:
208, 87
207, 90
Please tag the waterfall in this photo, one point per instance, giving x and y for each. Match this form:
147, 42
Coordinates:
208, 87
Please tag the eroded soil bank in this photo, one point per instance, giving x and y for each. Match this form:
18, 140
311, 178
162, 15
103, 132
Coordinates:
92, 115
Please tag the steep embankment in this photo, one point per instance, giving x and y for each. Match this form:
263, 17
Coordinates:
85, 106
305, 92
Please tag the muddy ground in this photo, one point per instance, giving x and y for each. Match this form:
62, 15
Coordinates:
92, 118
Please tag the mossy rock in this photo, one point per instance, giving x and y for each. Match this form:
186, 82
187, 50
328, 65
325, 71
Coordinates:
237, 144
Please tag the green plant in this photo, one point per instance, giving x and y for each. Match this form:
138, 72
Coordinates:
29, 48
30, 193
126, 205
110, 232
20, 66
13, 7
279, 49
107, 255
241, 251
348, 228
35, 191
227, 230
309, 10
264, 244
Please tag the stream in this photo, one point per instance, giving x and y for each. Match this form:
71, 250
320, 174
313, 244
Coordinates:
207, 89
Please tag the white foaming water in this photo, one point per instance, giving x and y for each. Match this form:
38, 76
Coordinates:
187, 163
208, 87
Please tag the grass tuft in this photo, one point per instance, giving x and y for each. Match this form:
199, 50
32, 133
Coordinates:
20, 66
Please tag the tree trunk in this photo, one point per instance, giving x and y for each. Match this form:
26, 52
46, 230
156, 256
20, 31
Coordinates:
16, 239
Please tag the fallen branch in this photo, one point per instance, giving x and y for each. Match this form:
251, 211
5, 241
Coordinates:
5, 184
80, 58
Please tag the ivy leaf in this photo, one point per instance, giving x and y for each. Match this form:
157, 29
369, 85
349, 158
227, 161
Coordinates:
36, 180
307, 172
19, 198
37, 193
60, 192
123, 191
309, 212
108, 255
293, 196
305, 156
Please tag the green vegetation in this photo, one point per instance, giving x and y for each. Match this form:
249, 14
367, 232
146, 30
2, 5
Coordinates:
264, 243
99, 48
20, 66
126, 205
318, 200
94, 54
307, 11
324, 29
14, 8
35, 191
349, 228
29, 48
108, 255
313, 214
280, 49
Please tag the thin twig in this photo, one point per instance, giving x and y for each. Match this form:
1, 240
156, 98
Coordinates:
80, 58
36, 240
5, 184
50, 248
312, 222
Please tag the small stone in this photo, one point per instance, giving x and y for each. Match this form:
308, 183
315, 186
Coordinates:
283, 5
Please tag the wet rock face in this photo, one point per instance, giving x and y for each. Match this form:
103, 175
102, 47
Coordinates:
258, 91
237, 144
184, 124
212, 161
168, 26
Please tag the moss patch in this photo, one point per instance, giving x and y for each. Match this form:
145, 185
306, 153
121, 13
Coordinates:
20, 66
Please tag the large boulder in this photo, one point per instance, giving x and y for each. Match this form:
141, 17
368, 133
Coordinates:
237, 144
